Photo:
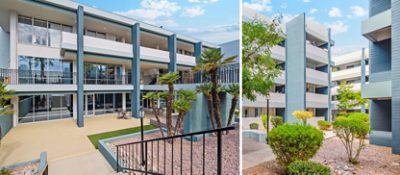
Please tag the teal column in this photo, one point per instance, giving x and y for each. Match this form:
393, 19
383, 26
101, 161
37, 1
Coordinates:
135, 71
79, 64
395, 49
295, 64
172, 53
362, 74
197, 54
328, 116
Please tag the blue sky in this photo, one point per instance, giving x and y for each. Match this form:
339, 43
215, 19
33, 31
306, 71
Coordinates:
343, 16
215, 21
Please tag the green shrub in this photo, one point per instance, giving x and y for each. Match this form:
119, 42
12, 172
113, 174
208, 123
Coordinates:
264, 120
5, 172
291, 142
253, 125
324, 125
348, 129
307, 168
276, 121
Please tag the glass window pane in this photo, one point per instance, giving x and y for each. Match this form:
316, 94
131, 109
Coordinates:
25, 20
91, 33
41, 107
24, 33
101, 35
99, 104
55, 106
66, 28
40, 68
25, 109
109, 103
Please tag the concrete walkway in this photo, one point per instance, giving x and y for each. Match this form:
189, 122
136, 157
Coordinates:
62, 140
255, 153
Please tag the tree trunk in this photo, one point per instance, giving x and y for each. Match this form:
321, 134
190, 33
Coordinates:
168, 115
215, 97
211, 110
231, 111
179, 121
155, 111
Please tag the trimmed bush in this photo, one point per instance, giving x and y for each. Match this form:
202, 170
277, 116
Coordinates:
324, 125
253, 125
291, 142
276, 121
5, 172
303, 116
307, 168
264, 120
348, 129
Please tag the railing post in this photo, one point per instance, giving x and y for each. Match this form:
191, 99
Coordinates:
219, 153
117, 159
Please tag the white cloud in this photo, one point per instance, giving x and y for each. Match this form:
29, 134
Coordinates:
337, 27
202, 1
313, 10
151, 10
193, 11
335, 12
358, 11
215, 34
259, 5
307, 1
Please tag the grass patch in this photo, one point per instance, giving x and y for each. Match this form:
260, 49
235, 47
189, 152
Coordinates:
96, 137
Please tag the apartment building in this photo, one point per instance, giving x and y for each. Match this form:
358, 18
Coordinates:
68, 60
347, 69
382, 29
304, 58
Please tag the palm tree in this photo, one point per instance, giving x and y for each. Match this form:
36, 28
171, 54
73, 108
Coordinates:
5, 97
210, 62
153, 96
182, 105
169, 79
234, 90
206, 90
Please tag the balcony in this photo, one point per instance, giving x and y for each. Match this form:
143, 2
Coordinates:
349, 73
118, 49
317, 77
356, 87
378, 27
278, 52
382, 89
317, 30
277, 101
317, 54
314, 100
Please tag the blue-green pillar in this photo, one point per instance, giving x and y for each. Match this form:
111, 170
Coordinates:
79, 64
172, 53
197, 54
395, 49
362, 74
135, 70
328, 116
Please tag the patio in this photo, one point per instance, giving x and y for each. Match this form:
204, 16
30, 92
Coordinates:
60, 139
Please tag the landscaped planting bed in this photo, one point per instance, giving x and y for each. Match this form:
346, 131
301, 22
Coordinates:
27, 169
374, 160
230, 153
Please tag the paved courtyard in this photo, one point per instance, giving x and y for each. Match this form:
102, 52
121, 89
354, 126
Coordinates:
62, 140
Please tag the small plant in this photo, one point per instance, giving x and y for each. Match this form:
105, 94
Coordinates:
302, 115
5, 172
291, 142
356, 126
276, 121
324, 125
253, 125
264, 120
307, 168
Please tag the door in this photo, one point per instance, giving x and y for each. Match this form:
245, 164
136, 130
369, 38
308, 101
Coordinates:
89, 102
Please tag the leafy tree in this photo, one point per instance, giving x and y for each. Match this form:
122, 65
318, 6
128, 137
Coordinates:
348, 98
350, 128
210, 63
152, 97
182, 105
234, 90
259, 70
169, 79
206, 90
276, 121
5, 97
303, 116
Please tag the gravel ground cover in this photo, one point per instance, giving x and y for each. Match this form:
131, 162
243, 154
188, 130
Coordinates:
374, 160
28, 169
230, 154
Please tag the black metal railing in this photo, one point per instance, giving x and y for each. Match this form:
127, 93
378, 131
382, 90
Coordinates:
178, 154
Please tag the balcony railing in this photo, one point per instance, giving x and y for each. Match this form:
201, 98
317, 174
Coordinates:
12, 76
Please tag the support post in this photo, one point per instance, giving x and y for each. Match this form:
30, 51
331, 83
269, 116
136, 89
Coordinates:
197, 53
79, 56
172, 53
363, 75
135, 70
